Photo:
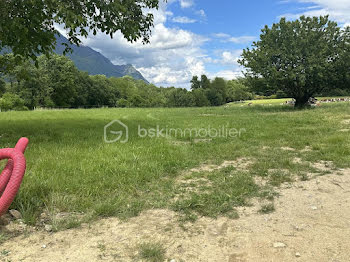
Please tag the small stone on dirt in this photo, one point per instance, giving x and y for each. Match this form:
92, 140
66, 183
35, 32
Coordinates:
16, 214
346, 121
306, 149
48, 228
43, 215
314, 208
279, 245
297, 254
297, 160
286, 148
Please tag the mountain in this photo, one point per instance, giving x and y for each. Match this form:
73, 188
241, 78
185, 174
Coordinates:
93, 62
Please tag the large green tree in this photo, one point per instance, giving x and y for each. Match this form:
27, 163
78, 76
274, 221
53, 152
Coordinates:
27, 27
297, 57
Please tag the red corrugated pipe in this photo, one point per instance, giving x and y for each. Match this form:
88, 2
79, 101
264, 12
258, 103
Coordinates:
11, 177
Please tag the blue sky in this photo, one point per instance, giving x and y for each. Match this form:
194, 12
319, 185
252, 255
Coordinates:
193, 37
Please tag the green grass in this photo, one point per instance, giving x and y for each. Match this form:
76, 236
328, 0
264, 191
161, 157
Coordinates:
3, 237
71, 169
267, 208
270, 102
227, 189
152, 252
261, 102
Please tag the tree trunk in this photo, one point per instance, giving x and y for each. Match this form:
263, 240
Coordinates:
301, 102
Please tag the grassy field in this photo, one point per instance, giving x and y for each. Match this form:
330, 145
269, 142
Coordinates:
71, 170
270, 102
261, 102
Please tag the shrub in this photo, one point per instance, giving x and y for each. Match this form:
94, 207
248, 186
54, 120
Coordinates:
12, 102
122, 103
238, 91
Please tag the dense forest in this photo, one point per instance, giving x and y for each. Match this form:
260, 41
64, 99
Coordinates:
55, 82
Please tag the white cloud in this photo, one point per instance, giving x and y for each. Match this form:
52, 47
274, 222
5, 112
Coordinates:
163, 75
227, 74
183, 20
169, 13
242, 39
201, 13
225, 57
61, 30
338, 10
229, 60
237, 40
178, 76
196, 66
334, 4
231, 57
186, 3
221, 35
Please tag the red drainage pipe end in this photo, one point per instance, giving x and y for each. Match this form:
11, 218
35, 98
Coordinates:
12, 175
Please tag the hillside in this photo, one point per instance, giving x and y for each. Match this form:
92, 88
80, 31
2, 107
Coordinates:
87, 59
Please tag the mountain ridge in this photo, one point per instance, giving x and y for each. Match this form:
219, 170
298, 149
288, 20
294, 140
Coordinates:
93, 62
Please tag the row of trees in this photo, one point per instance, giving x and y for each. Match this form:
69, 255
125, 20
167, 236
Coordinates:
56, 82
219, 91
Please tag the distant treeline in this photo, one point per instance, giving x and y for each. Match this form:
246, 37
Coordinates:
55, 82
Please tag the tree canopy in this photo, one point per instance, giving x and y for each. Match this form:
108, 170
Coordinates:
28, 27
300, 57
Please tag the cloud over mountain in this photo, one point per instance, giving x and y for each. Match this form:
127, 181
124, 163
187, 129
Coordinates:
170, 59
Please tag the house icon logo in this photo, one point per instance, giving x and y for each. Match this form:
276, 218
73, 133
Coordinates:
116, 131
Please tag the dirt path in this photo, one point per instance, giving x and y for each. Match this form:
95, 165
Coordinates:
311, 223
